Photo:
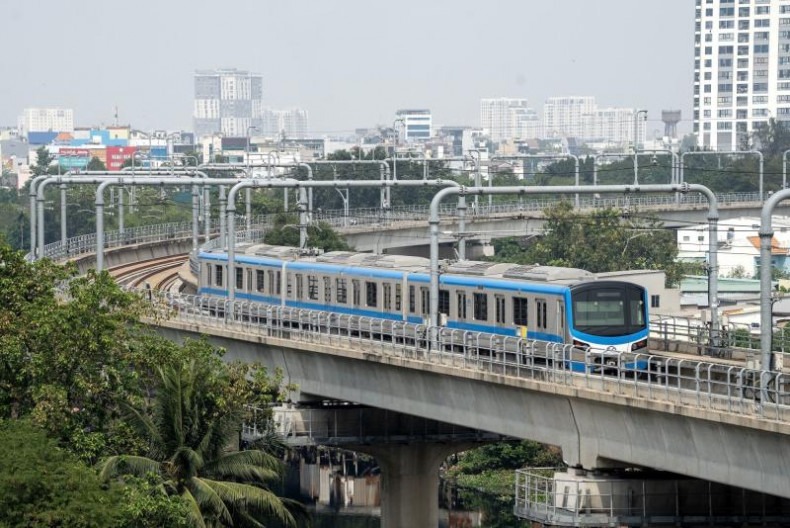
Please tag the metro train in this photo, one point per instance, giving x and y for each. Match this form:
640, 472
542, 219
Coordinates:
549, 304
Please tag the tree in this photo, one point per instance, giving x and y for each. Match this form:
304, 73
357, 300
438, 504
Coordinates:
95, 164
772, 138
320, 235
42, 485
43, 161
598, 242
197, 410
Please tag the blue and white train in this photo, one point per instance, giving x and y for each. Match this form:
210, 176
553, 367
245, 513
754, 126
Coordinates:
552, 304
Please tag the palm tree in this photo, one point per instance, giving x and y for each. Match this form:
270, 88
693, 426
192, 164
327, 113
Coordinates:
188, 436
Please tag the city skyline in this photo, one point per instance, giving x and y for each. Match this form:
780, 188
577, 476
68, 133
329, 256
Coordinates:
336, 62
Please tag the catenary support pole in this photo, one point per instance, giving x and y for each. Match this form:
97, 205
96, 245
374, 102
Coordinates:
713, 216
294, 184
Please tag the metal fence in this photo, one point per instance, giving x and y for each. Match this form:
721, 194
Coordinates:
366, 216
695, 383
738, 341
374, 217
559, 498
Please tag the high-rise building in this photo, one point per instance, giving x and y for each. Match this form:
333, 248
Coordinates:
741, 70
616, 125
46, 120
227, 102
568, 116
284, 124
501, 117
416, 124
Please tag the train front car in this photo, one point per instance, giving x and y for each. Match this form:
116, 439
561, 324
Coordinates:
608, 327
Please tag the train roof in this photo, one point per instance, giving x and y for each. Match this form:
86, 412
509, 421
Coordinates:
410, 264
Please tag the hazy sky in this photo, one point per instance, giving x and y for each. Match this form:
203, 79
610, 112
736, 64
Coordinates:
350, 63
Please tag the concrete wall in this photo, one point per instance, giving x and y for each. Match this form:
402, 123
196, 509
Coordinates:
134, 253
593, 428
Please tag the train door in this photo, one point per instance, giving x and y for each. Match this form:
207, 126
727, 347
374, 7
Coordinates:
560, 319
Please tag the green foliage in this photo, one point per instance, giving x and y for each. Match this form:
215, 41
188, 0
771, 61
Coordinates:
321, 235
95, 164
42, 485
504, 455
484, 478
196, 411
145, 504
598, 242
43, 163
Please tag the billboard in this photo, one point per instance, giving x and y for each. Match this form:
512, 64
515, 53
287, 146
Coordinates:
116, 156
74, 158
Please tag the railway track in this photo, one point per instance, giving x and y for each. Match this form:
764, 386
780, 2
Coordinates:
158, 274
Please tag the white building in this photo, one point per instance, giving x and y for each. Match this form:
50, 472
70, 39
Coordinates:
227, 102
284, 124
738, 245
741, 69
417, 124
616, 126
46, 120
568, 116
501, 117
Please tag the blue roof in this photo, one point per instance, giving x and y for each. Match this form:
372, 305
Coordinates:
41, 138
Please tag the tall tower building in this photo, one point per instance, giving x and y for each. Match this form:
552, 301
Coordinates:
568, 116
502, 117
227, 102
741, 69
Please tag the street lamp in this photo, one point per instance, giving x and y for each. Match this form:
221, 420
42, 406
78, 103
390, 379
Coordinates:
636, 143
247, 195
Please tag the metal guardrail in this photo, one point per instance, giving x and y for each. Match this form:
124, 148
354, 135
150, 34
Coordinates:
364, 216
689, 382
374, 217
557, 498
737, 340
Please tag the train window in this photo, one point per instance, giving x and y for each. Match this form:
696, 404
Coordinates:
540, 313
289, 285
412, 300
299, 286
461, 297
371, 294
342, 291
387, 294
499, 300
249, 280
327, 290
425, 297
277, 282
355, 292
208, 274
272, 287
218, 276
239, 278
259, 280
398, 299
444, 302
480, 309
520, 311
312, 287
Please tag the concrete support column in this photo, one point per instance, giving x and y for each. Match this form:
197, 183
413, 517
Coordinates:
410, 483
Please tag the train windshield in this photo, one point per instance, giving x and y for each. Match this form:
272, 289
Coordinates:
609, 309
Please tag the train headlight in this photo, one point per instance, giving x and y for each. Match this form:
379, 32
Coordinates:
639, 344
581, 344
